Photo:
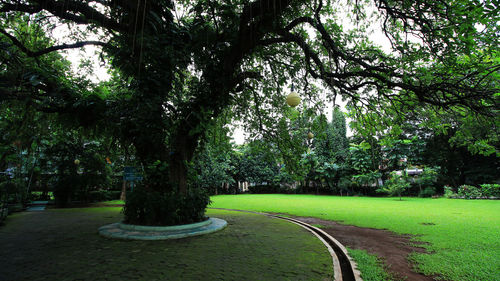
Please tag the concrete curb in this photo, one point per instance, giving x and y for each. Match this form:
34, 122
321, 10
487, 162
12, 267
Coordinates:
345, 268
135, 232
133, 227
348, 267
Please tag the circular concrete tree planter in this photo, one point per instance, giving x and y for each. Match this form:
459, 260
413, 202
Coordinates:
141, 232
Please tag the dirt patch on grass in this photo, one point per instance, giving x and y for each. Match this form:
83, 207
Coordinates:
393, 249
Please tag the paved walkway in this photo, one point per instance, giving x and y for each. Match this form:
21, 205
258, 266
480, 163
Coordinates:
37, 206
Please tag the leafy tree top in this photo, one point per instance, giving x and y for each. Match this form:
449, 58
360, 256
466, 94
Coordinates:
181, 64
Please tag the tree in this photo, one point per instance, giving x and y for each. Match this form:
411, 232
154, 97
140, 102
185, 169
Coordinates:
427, 179
363, 161
258, 163
213, 166
464, 144
333, 146
396, 185
181, 64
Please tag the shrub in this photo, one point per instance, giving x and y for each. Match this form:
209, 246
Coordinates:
396, 185
428, 176
274, 188
3, 212
259, 189
63, 186
146, 207
95, 195
40, 196
427, 192
469, 191
13, 191
103, 195
490, 190
366, 179
449, 193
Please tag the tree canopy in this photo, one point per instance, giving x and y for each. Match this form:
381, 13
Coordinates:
178, 65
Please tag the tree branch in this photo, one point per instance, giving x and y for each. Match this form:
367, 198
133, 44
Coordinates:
76, 11
30, 53
452, 92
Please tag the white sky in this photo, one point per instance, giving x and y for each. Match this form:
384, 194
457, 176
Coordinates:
100, 71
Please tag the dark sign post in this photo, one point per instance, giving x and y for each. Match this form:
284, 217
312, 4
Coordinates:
131, 174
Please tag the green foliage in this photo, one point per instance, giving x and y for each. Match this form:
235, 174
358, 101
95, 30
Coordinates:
363, 160
63, 186
176, 73
396, 184
147, 207
426, 181
309, 163
426, 137
367, 179
331, 147
449, 192
428, 177
330, 142
156, 174
217, 162
473, 192
458, 165
330, 173
75, 179
257, 163
360, 157
13, 191
370, 266
427, 192
41, 196
469, 191
4, 212
284, 177
290, 143
99, 195
263, 189
396, 150
490, 190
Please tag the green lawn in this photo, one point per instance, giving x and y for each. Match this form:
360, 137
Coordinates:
463, 235
63, 244
114, 202
370, 266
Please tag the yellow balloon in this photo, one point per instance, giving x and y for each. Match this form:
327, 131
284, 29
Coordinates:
293, 99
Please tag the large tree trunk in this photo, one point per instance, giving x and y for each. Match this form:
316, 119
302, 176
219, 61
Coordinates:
123, 194
178, 171
184, 146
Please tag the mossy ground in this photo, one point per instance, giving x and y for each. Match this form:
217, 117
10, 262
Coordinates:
462, 235
64, 245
